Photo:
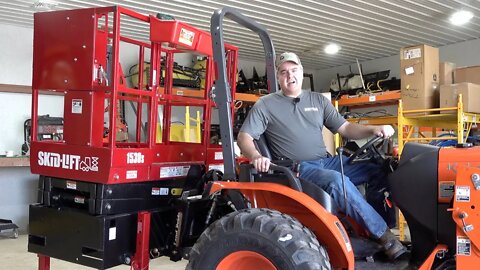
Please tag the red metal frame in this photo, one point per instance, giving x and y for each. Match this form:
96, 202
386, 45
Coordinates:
43, 262
84, 154
70, 60
141, 259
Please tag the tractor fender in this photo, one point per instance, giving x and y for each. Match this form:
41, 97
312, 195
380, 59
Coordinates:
327, 227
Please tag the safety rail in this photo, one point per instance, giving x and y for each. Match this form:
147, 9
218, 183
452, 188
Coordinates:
460, 121
116, 131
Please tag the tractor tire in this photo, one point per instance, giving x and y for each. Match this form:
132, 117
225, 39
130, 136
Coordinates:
257, 239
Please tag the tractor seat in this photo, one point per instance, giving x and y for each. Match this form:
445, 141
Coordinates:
249, 174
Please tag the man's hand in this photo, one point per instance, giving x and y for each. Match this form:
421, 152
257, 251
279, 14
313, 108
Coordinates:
356, 131
261, 163
385, 131
245, 142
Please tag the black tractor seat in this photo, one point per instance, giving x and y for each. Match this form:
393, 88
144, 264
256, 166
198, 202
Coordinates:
283, 174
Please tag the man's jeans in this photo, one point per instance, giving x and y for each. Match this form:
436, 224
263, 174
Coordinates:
326, 174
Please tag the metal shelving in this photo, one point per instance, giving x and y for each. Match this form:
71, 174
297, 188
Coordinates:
373, 100
458, 120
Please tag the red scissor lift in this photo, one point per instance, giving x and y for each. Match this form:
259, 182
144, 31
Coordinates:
104, 201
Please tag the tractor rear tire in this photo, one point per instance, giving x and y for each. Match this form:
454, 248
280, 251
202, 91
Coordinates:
257, 239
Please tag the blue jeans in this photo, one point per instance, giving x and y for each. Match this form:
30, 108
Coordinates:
326, 174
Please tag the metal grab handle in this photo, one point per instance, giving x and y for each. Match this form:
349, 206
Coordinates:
222, 90
293, 181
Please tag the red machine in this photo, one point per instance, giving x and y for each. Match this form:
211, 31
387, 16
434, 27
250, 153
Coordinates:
74, 59
77, 54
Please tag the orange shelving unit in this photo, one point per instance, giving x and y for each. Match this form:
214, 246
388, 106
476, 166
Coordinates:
199, 93
372, 99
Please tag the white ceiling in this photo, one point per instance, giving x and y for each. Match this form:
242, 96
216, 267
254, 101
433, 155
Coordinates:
365, 29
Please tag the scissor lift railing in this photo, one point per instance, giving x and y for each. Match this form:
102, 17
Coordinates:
82, 60
455, 118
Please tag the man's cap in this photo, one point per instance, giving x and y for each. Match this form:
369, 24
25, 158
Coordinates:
288, 57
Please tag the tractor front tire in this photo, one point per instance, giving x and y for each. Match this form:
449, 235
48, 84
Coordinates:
257, 239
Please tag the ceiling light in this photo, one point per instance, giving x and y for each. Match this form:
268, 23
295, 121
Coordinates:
461, 17
332, 48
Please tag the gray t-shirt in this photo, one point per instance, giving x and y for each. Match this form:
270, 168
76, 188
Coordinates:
293, 126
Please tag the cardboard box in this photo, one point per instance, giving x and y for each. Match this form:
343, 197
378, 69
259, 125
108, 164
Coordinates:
468, 74
419, 68
447, 71
470, 96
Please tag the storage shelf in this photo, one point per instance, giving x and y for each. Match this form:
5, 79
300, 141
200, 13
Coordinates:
24, 89
246, 97
376, 99
373, 99
382, 120
188, 92
22, 161
200, 93
458, 120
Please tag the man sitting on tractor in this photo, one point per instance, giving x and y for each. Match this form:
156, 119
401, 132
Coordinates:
292, 121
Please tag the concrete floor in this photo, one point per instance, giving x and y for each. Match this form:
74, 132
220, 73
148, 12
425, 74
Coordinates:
14, 255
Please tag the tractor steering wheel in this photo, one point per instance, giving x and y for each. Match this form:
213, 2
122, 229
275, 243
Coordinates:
372, 150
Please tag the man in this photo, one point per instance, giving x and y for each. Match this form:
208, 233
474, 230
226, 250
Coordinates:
292, 121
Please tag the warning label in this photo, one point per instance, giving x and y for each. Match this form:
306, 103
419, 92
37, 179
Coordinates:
174, 171
463, 246
77, 106
218, 167
218, 155
446, 189
186, 37
156, 191
462, 193
412, 53
71, 185
131, 175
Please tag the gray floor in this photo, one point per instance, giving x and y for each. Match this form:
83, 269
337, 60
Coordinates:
14, 255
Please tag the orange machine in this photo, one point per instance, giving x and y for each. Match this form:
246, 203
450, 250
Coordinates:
436, 190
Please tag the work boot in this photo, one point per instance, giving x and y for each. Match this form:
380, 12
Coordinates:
391, 246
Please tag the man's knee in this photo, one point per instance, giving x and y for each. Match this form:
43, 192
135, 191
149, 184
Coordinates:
334, 182
324, 175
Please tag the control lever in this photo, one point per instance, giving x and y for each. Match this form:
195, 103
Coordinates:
462, 216
466, 227
340, 153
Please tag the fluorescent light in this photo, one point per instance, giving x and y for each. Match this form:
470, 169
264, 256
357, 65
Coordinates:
461, 17
332, 48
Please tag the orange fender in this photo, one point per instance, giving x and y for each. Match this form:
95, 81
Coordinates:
326, 226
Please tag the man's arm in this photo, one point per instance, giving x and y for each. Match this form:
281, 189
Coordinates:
245, 142
355, 131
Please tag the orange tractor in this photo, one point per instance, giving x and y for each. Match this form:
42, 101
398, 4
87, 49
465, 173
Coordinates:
106, 202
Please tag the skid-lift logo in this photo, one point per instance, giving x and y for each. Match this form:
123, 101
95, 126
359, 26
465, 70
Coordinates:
67, 161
